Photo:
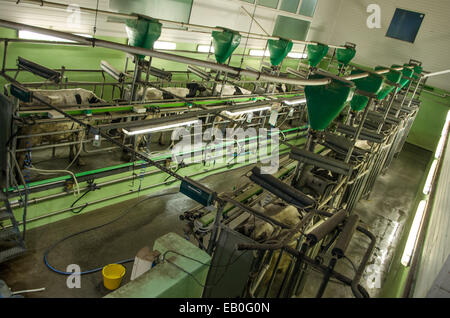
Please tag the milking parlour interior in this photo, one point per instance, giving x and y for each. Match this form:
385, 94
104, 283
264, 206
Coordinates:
224, 149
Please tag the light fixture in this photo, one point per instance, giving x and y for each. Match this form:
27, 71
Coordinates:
293, 102
160, 126
444, 133
159, 73
38, 70
430, 178
412, 237
205, 48
161, 45
200, 73
297, 55
29, 35
246, 110
440, 147
112, 71
259, 53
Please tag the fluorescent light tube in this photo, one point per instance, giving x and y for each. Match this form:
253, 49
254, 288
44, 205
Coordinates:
297, 55
246, 110
293, 102
411, 242
158, 127
29, 35
430, 178
440, 146
259, 53
205, 49
160, 45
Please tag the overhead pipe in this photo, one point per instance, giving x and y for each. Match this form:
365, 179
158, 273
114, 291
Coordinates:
165, 56
175, 23
379, 72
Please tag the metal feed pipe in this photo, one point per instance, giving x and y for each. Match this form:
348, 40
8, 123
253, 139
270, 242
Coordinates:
165, 56
379, 72
182, 59
175, 23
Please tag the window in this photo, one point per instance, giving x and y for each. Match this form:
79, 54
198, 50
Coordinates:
405, 25
290, 28
305, 8
308, 7
175, 10
290, 5
269, 3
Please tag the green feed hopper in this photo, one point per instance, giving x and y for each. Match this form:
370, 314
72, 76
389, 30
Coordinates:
279, 49
392, 76
359, 102
143, 32
370, 84
417, 70
326, 102
225, 42
344, 56
316, 53
407, 75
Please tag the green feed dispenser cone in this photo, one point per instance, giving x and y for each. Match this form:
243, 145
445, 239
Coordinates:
143, 32
371, 84
279, 49
417, 71
316, 53
326, 102
392, 77
407, 74
345, 56
225, 42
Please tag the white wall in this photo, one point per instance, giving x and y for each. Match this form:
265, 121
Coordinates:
432, 45
325, 17
436, 248
335, 22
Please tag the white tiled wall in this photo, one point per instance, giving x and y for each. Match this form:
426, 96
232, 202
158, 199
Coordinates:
432, 45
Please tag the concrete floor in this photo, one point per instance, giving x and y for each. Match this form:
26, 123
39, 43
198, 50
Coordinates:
385, 211
120, 240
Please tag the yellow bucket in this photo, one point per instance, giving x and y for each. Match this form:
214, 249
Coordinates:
112, 275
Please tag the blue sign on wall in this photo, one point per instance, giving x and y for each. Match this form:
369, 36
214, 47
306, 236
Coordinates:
405, 25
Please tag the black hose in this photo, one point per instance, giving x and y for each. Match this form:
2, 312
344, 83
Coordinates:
83, 207
95, 228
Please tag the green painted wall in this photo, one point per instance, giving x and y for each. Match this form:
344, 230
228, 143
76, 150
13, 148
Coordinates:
425, 132
77, 57
430, 120
55, 56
